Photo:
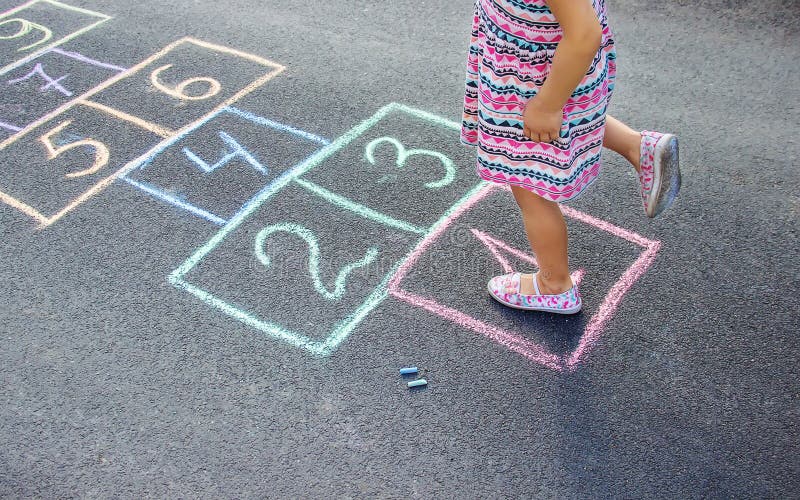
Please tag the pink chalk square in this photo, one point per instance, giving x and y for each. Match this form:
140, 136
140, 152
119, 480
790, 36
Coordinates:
499, 254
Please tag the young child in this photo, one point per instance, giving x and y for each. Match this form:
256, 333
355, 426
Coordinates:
540, 74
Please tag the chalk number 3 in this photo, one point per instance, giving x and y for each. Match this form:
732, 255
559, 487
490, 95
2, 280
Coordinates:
404, 154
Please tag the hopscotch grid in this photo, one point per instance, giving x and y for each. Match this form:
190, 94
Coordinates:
60, 41
255, 202
344, 327
45, 221
276, 70
164, 196
513, 341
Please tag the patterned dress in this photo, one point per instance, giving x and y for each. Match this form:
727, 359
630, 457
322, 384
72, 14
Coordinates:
510, 54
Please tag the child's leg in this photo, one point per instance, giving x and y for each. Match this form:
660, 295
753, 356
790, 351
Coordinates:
622, 139
547, 233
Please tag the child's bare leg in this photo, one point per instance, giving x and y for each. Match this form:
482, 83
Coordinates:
547, 233
623, 140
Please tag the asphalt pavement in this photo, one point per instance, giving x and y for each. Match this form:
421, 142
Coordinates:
225, 226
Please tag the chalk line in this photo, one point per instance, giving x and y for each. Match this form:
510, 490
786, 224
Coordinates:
87, 60
174, 200
10, 127
361, 210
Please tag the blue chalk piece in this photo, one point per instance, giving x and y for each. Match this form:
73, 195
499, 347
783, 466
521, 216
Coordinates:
417, 383
408, 371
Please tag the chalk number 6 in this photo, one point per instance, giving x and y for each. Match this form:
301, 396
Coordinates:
100, 150
179, 91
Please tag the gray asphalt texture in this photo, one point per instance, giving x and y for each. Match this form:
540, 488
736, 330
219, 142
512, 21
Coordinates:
115, 383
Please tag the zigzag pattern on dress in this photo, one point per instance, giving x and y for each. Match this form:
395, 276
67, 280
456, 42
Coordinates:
510, 55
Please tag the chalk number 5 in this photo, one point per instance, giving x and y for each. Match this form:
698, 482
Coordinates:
100, 150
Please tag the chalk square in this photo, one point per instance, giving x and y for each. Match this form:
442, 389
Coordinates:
299, 269
476, 255
183, 83
37, 26
213, 168
409, 166
88, 149
27, 95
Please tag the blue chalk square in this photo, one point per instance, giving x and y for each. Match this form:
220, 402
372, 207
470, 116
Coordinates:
215, 167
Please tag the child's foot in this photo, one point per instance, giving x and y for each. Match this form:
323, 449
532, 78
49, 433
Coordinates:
507, 290
659, 171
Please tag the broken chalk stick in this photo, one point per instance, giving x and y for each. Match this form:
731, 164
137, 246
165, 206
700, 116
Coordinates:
408, 371
417, 383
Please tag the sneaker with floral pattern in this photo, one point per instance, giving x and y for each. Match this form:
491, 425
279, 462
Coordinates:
506, 290
659, 172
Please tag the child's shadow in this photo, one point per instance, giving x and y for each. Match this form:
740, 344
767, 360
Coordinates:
558, 333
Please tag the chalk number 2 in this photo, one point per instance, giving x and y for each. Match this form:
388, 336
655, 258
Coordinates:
314, 257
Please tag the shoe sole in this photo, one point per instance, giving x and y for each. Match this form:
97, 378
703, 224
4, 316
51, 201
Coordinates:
666, 175
572, 310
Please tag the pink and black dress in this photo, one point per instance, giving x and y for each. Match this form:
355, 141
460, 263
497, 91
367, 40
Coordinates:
510, 54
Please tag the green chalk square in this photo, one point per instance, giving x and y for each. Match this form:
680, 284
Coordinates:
316, 346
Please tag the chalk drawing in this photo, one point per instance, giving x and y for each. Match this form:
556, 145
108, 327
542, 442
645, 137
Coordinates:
10, 127
238, 151
100, 150
39, 70
51, 83
273, 69
314, 255
87, 60
176, 201
152, 127
515, 341
25, 28
367, 212
50, 40
403, 155
185, 205
179, 91
343, 328
497, 247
